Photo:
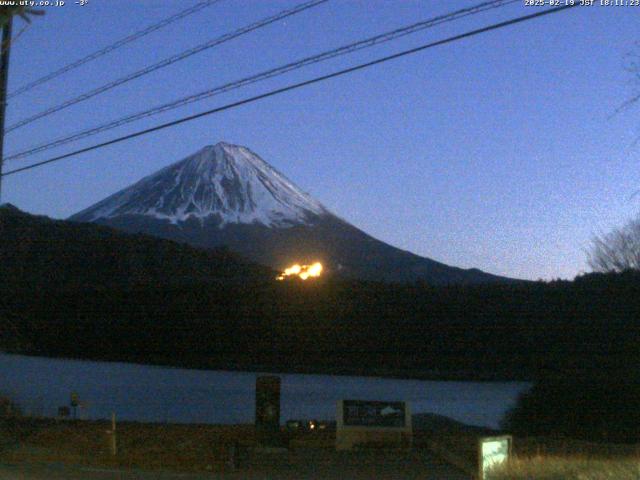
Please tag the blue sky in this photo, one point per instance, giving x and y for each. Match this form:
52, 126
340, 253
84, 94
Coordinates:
499, 152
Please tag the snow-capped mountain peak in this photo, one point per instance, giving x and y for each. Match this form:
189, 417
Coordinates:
226, 196
225, 182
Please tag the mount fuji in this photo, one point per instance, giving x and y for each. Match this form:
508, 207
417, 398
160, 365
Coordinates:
226, 195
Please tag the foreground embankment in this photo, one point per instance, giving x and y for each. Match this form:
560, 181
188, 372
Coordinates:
539, 458
227, 451
35, 449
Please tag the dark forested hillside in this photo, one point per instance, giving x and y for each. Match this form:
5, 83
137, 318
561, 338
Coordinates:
41, 253
509, 331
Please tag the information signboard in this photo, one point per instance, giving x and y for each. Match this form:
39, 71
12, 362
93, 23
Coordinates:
379, 423
492, 451
373, 414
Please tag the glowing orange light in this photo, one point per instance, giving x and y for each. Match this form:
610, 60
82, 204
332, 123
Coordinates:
302, 271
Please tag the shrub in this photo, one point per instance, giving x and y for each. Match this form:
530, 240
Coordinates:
596, 409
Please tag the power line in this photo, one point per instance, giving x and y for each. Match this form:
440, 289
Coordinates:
167, 61
343, 50
114, 46
295, 86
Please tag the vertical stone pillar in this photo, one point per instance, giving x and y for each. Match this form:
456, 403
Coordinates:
268, 411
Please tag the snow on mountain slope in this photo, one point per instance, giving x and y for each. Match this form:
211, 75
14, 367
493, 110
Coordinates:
227, 182
227, 196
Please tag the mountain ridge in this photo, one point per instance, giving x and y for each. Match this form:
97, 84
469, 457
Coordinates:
226, 195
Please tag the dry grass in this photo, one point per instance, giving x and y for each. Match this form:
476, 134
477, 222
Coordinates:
189, 448
568, 468
539, 458
144, 446
562, 447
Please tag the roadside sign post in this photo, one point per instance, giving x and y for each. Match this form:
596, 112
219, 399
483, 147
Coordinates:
492, 451
74, 404
63, 412
111, 436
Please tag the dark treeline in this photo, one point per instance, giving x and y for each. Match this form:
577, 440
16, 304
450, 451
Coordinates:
38, 253
519, 331
82, 290
85, 291
600, 407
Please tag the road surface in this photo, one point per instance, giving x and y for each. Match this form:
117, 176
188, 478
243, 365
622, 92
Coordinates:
316, 464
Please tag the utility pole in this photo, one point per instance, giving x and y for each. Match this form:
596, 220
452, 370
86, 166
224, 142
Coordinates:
4, 76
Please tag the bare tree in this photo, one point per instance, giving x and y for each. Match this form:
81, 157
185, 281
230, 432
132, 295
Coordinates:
25, 12
633, 68
618, 250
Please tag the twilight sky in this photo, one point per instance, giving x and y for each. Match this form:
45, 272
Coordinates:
499, 152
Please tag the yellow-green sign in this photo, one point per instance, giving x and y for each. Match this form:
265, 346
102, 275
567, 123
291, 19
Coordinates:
492, 451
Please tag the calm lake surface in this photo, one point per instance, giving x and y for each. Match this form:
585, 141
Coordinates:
159, 394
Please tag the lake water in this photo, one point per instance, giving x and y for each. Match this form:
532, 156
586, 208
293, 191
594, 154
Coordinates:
159, 394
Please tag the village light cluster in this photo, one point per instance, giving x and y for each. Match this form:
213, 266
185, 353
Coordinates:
302, 271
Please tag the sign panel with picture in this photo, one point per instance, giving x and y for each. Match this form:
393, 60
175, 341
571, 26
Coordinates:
366, 422
374, 414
